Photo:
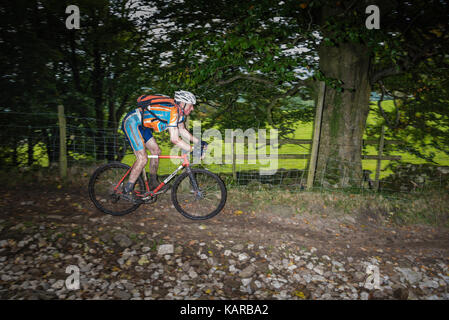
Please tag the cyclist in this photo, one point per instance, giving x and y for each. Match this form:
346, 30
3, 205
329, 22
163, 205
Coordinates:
157, 113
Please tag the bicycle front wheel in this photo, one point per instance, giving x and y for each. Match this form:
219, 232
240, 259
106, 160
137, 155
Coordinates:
200, 203
104, 194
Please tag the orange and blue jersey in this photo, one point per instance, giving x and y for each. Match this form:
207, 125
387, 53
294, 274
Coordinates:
156, 118
161, 117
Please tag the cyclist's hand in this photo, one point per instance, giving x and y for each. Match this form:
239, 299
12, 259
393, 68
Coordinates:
183, 152
199, 150
196, 153
204, 145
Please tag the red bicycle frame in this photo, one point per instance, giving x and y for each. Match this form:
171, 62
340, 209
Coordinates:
148, 192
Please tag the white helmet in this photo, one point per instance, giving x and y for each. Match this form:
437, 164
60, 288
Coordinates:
185, 96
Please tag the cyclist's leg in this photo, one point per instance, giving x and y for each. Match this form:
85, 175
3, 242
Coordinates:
133, 135
155, 150
152, 145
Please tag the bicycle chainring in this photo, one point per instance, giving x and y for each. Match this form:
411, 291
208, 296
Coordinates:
149, 199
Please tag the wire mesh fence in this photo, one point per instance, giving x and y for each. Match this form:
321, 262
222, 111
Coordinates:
89, 142
39, 145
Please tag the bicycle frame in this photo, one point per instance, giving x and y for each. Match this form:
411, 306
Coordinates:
185, 164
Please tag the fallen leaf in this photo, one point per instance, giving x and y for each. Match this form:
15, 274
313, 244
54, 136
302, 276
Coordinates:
300, 294
143, 260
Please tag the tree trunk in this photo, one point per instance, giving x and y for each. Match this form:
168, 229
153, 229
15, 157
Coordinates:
344, 115
14, 154
97, 88
112, 128
51, 136
120, 146
74, 61
30, 151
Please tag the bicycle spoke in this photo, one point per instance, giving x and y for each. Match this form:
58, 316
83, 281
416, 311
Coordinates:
103, 192
207, 203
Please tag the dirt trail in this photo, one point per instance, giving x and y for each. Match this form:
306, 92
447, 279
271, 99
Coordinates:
266, 234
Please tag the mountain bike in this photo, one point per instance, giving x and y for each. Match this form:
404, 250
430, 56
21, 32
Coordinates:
197, 194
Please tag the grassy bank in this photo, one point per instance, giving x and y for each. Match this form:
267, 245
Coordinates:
430, 207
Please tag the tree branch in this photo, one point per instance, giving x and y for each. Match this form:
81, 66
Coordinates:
385, 73
379, 104
384, 115
245, 77
406, 64
290, 92
208, 104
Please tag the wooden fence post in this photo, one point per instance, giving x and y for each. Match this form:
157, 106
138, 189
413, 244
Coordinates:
379, 159
62, 142
234, 158
316, 135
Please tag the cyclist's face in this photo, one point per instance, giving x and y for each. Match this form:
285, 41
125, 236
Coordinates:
188, 108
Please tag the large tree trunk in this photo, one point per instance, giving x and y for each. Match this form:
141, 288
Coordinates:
344, 115
112, 127
14, 153
30, 151
51, 136
97, 88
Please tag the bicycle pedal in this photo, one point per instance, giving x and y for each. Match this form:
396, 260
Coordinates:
131, 199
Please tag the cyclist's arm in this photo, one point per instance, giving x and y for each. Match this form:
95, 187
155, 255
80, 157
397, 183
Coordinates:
176, 140
186, 134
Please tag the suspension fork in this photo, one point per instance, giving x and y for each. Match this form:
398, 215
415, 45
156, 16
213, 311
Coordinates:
192, 179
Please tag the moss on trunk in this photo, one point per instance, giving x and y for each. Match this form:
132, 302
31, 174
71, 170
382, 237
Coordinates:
344, 115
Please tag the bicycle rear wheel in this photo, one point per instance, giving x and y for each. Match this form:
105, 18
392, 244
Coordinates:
200, 204
102, 193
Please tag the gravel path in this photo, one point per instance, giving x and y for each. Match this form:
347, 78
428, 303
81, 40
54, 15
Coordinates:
236, 255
